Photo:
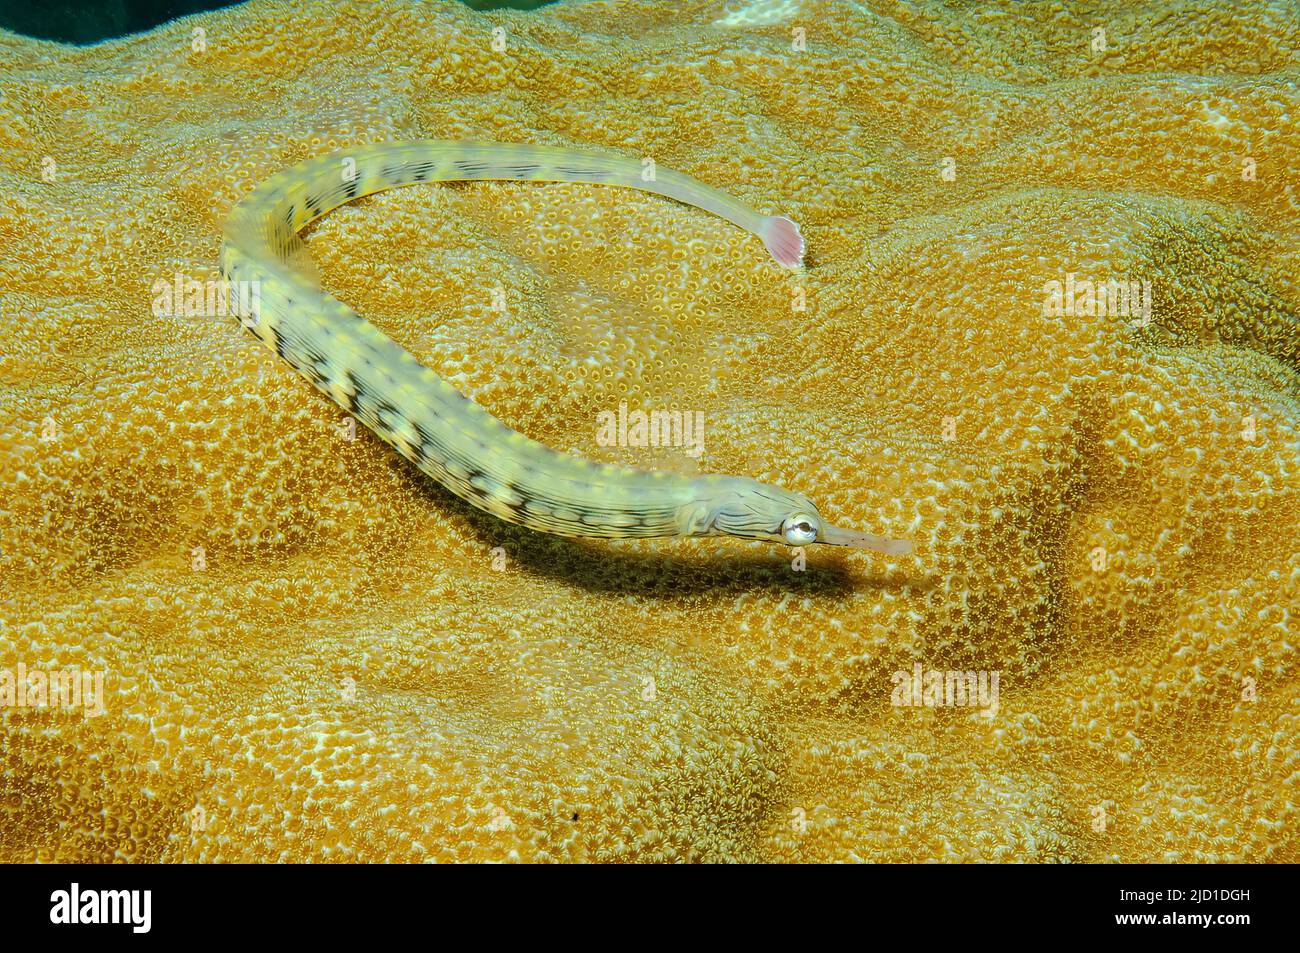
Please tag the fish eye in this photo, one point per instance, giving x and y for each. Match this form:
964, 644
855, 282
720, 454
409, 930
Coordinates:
799, 530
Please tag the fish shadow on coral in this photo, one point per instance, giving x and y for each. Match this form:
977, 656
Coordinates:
669, 571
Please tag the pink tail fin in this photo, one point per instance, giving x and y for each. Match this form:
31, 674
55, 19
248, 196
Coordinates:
782, 238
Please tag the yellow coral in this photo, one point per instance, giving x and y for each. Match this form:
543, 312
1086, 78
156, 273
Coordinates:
309, 651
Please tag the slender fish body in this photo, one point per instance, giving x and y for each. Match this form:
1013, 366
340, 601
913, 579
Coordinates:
447, 435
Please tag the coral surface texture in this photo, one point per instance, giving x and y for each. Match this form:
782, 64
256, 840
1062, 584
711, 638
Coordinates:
1047, 330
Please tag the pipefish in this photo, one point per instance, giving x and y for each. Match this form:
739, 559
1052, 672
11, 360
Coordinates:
443, 432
